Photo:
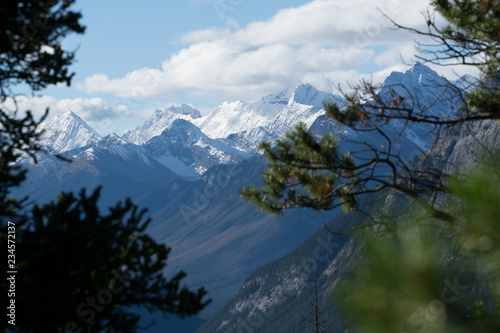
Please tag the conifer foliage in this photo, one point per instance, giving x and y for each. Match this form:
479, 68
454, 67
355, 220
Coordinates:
78, 269
305, 171
434, 265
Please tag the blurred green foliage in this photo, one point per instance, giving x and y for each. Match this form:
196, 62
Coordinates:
417, 274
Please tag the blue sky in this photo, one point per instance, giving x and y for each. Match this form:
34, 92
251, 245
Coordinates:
124, 35
136, 56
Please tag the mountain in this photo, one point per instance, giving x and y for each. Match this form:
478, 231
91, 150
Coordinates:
66, 132
467, 82
278, 295
181, 147
242, 125
211, 228
126, 169
186, 150
123, 170
112, 140
176, 153
268, 119
187, 169
158, 122
424, 91
217, 238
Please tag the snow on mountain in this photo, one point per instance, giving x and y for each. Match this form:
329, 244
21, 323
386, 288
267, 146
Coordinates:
180, 146
269, 118
241, 125
467, 82
112, 140
124, 171
66, 132
158, 122
248, 140
275, 113
188, 152
188, 144
426, 93
308, 95
424, 89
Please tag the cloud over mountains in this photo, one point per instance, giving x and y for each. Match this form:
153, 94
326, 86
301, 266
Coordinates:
321, 42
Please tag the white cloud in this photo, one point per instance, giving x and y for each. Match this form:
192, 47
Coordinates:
404, 52
356, 23
205, 35
89, 109
321, 42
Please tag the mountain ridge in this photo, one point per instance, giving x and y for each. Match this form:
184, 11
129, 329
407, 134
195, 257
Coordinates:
241, 125
190, 189
158, 122
66, 132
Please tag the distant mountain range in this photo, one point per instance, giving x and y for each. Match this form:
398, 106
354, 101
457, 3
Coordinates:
187, 168
188, 144
278, 296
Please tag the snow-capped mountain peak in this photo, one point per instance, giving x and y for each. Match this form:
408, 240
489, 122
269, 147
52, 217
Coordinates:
467, 82
187, 144
159, 121
418, 74
111, 140
67, 131
268, 118
282, 97
184, 149
306, 94
420, 83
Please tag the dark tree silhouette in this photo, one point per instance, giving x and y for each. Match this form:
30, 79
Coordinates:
78, 270
316, 318
30, 43
30, 54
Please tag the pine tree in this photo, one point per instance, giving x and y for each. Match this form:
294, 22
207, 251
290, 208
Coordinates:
305, 171
316, 317
78, 270
433, 269
91, 268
